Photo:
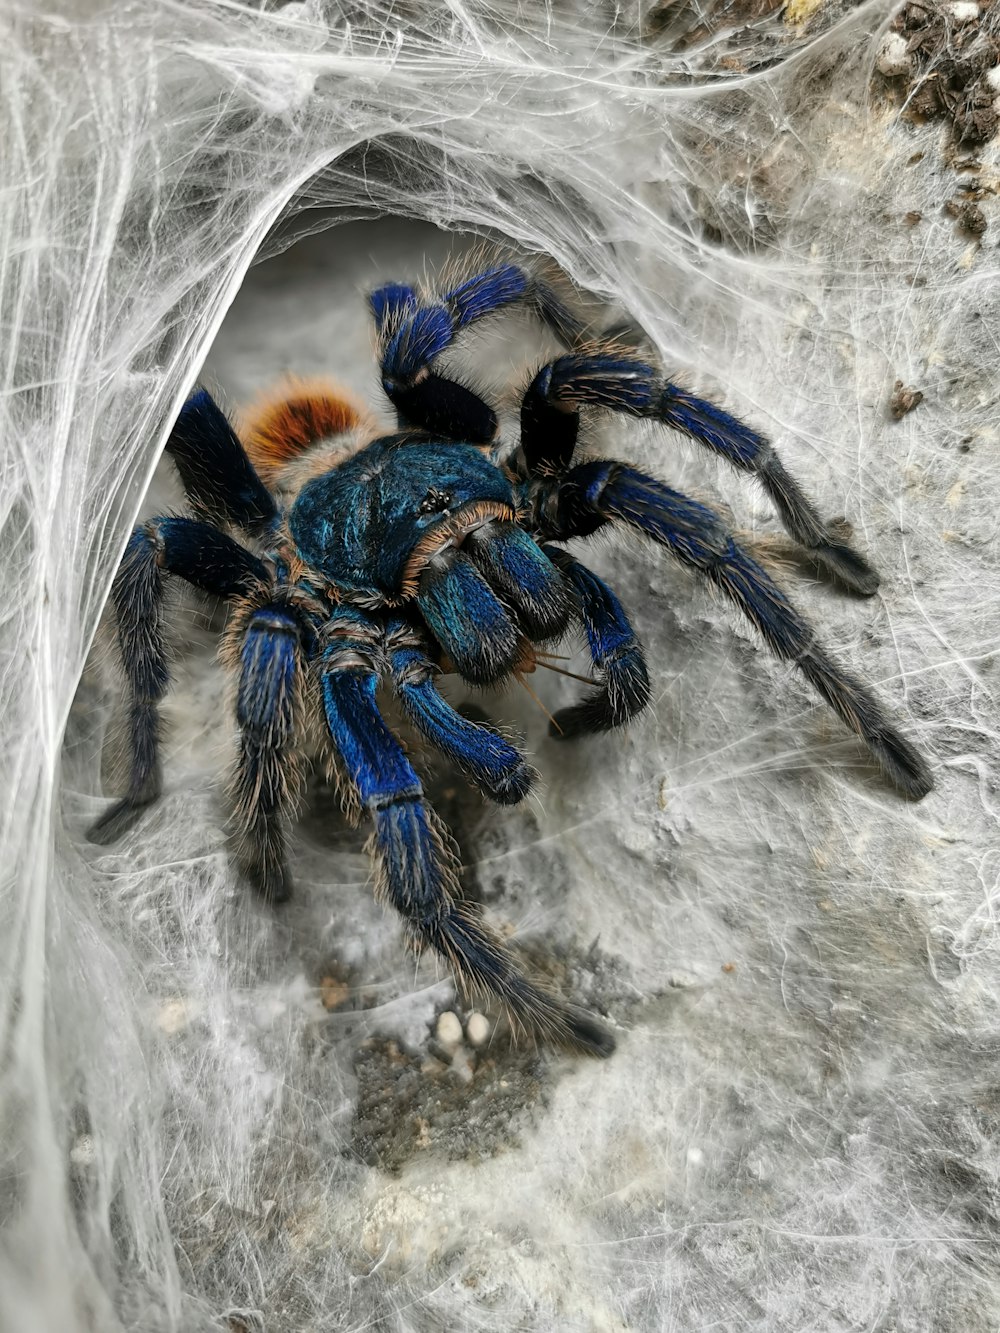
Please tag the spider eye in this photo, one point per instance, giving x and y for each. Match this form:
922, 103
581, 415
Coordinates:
435, 501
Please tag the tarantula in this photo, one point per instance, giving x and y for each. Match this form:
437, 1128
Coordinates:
365, 558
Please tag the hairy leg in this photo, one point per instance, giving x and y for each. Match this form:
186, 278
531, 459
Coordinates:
411, 335
609, 491
623, 690
266, 647
484, 601
468, 619
218, 477
417, 862
609, 380
497, 768
209, 560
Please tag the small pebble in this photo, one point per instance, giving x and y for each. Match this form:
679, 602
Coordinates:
969, 216
893, 59
973, 219
477, 1029
449, 1030
963, 11
333, 992
83, 1151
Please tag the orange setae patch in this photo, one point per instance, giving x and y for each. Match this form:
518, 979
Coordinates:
284, 422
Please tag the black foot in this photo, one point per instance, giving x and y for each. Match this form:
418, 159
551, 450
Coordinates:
587, 1034
847, 567
122, 816
272, 882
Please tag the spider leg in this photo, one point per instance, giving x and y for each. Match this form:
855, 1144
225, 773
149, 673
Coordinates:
523, 577
209, 560
549, 423
481, 601
623, 690
218, 477
607, 490
411, 335
268, 648
496, 767
468, 619
418, 864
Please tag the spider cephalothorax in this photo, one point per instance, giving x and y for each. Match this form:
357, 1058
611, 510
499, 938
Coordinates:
394, 558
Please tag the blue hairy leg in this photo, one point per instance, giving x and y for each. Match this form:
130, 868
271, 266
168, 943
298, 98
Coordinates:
418, 868
622, 384
523, 576
468, 619
411, 335
267, 648
218, 476
623, 690
209, 560
496, 767
610, 491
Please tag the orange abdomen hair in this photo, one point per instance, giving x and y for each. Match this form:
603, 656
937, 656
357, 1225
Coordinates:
283, 423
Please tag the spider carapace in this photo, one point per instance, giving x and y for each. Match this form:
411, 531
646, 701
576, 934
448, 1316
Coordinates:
354, 559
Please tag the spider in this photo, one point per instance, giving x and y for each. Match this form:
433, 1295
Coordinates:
354, 558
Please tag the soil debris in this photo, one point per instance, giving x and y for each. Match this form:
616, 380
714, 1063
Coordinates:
967, 213
943, 67
904, 399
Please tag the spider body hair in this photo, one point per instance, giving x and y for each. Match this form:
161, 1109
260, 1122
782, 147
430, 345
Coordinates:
302, 428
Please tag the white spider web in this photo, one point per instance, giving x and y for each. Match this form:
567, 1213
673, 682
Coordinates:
798, 1130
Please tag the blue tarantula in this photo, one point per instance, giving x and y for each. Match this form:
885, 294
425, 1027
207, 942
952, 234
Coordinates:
369, 558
